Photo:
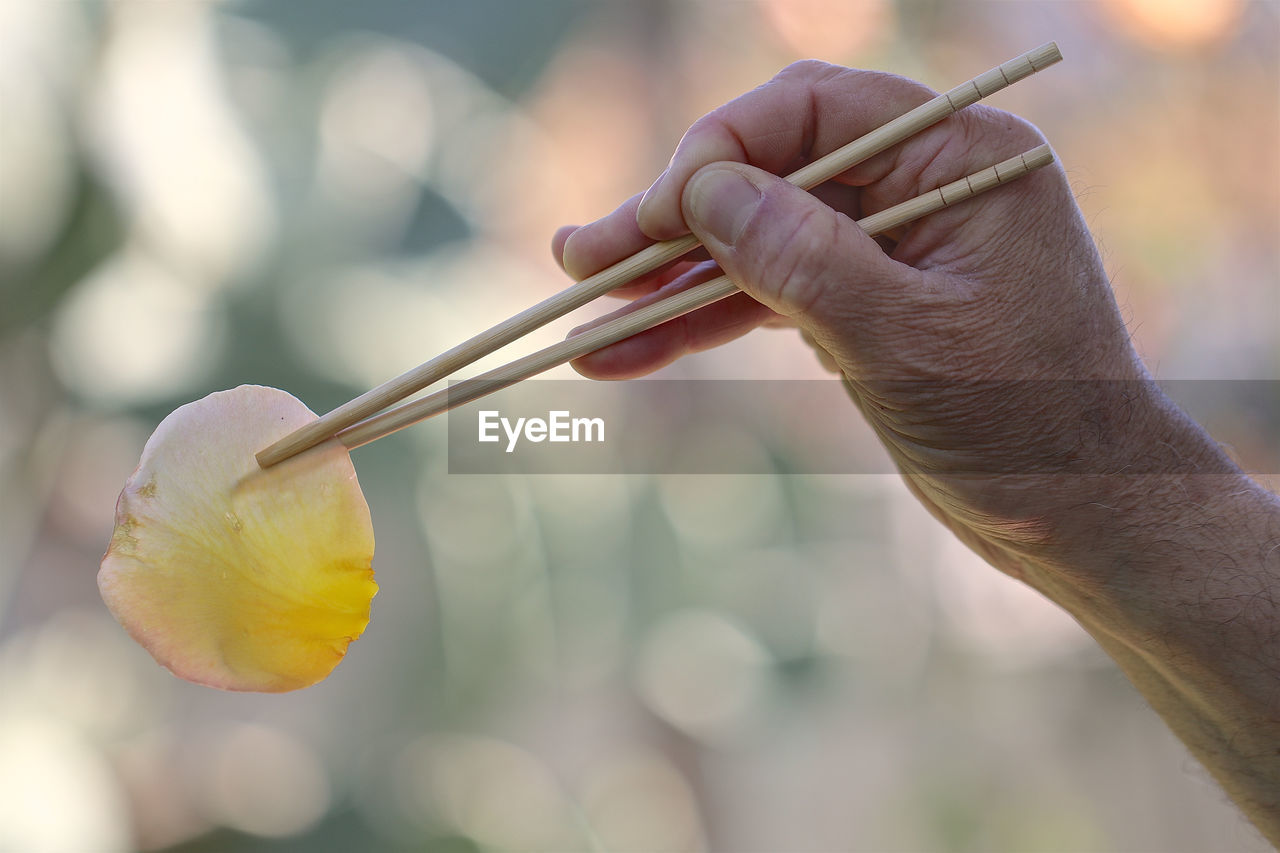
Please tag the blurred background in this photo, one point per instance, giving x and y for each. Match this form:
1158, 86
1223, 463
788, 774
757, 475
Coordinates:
317, 195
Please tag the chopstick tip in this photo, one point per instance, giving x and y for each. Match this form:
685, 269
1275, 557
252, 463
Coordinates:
1041, 155
1044, 55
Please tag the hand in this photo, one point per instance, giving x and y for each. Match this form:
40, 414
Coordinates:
984, 346
938, 331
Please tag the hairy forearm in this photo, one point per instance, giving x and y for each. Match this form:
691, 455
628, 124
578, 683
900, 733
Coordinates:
1166, 553
1177, 575
1230, 730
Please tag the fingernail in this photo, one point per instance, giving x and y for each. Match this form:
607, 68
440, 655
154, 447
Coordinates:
721, 202
649, 193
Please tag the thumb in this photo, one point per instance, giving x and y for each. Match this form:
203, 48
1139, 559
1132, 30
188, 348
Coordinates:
790, 251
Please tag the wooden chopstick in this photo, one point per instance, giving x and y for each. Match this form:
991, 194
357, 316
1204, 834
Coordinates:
659, 312
648, 259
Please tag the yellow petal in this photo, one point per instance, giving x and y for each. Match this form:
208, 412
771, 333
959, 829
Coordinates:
232, 576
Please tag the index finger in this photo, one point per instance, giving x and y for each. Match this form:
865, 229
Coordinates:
807, 110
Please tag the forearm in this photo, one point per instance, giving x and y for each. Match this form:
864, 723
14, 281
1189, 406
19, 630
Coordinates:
1233, 736
1177, 575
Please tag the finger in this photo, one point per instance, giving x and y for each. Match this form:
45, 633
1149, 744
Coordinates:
591, 248
704, 329
558, 240
661, 278
585, 250
806, 111
696, 331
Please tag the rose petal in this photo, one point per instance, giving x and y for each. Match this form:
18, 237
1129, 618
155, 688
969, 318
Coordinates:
232, 576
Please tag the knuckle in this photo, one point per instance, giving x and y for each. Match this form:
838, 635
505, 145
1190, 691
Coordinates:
811, 70
983, 122
708, 140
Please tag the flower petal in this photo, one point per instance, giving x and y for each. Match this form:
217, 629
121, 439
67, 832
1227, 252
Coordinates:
232, 576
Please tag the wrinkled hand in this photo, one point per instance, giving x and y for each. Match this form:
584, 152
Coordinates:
984, 346
962, 338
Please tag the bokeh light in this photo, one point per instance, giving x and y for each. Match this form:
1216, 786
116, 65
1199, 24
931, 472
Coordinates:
171, 144
264, 781
1176, 24
488, 790
830, 29
703, 674
37, 169
134, 331
637, 801
57, 793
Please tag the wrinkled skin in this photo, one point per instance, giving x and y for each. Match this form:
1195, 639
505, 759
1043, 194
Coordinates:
932, 330
984, 346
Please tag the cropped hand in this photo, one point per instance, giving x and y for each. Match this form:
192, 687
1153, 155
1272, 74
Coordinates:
984, 346
963, 338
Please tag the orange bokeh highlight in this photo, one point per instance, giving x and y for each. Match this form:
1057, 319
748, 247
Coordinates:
1176, 23
834, 30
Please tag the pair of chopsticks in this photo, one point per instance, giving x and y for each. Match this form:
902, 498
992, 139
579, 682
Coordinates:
356, 423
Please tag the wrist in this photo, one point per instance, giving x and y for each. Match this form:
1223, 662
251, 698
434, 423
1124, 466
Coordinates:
1163, 543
